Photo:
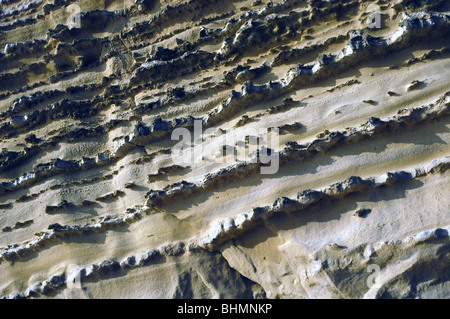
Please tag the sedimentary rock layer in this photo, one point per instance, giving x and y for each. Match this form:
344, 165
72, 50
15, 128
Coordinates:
315, 164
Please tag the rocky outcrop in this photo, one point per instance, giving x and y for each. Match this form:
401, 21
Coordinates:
223, 231
318, 137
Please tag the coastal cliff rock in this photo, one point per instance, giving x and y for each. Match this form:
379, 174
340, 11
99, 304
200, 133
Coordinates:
224, 149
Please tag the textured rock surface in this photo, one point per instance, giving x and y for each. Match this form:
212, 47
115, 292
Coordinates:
94, 204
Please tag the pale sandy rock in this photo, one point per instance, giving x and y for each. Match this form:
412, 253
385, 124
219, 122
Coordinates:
94, 202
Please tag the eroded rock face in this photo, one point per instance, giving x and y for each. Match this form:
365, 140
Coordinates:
99, 102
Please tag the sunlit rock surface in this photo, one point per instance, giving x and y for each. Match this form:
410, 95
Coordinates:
349, 200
